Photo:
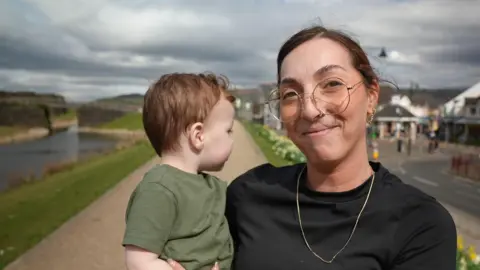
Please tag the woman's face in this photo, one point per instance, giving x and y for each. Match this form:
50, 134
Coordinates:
325, 131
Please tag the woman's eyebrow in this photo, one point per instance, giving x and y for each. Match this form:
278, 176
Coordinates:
288, 80
325, 69
321, 71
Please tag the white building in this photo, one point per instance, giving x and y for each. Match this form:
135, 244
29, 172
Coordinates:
405, 102
455, 106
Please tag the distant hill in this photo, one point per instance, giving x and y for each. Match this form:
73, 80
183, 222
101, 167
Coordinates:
30, 97
133, 99
130, 102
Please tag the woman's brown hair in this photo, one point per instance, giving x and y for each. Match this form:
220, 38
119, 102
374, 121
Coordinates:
357, 54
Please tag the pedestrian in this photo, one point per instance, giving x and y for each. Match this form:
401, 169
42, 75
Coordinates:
177, 211
432, 143
337, 210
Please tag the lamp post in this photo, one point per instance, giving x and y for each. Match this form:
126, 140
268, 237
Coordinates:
384, 55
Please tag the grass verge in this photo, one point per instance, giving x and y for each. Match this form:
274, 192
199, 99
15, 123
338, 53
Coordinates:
32, 211
265, 145
131, 121
9, 131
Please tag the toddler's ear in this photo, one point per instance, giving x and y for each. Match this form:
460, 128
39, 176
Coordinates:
196, 138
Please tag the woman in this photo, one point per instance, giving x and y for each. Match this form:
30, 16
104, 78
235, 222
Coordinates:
337, 211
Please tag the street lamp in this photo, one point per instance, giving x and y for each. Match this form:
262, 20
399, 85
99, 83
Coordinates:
383, 53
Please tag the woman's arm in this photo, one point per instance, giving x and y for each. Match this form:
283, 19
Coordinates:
426, 239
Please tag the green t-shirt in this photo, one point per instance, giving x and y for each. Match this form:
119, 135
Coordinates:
181, 216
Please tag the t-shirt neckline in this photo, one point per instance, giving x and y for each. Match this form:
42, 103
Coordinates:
342, 196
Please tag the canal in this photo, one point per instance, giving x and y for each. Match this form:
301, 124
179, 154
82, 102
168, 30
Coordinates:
26, 159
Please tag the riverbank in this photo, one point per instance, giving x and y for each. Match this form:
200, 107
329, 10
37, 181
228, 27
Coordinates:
21, 134
32, 211
129, 126
119, 133
42, 153
126, 127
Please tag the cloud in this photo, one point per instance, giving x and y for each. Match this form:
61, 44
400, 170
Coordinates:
93, 48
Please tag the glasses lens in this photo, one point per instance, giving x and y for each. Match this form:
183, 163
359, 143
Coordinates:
274, 104
332, 97
285, 107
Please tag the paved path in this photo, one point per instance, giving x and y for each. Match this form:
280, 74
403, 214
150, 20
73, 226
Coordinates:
427, 172
92, 239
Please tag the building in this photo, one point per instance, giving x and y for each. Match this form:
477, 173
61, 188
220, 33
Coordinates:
454, 106
393, 121
245, 99
425, 104
461, 117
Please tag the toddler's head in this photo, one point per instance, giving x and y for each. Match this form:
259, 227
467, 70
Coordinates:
190, 115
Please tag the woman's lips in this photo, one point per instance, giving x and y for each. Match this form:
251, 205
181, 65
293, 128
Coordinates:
318, 131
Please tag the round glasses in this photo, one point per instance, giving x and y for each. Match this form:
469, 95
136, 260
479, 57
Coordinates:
329, 98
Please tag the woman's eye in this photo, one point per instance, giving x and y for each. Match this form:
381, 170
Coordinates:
333, 84
289, 95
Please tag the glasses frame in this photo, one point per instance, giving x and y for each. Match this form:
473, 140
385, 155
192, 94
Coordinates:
302, 102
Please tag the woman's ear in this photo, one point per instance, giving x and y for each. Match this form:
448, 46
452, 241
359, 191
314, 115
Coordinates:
195, 136
373, 92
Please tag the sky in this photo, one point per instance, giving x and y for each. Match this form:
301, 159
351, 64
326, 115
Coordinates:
90, 49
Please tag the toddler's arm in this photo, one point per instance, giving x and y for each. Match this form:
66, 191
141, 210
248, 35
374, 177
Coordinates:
151, 213
141, 259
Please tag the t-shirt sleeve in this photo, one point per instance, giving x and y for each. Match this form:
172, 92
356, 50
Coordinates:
150, 218
426, 239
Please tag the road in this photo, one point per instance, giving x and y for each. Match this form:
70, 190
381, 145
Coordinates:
431, 176
429, 173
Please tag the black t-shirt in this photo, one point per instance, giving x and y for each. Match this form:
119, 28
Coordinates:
401, 227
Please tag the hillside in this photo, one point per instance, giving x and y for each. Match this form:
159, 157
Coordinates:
131, 99
129, 102
30, 97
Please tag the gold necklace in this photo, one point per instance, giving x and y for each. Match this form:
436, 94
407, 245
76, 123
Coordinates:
354, 227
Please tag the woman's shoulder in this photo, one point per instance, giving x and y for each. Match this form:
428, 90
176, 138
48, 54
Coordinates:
423, 228
414, 205
263, 174
396, 189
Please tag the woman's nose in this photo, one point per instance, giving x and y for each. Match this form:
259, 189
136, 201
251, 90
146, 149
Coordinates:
310, 107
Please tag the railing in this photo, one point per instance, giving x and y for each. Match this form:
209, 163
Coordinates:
466, 165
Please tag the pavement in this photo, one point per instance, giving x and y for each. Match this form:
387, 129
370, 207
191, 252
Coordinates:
92, 239
429, 173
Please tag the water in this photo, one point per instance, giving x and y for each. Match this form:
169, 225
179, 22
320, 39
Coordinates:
30, 158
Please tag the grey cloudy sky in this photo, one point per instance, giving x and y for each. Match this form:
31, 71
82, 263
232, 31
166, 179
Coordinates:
95, 48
